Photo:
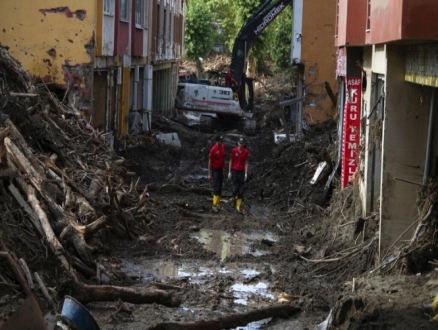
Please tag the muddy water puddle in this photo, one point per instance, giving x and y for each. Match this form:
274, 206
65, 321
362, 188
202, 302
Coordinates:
245, 287
245, 290
226, 244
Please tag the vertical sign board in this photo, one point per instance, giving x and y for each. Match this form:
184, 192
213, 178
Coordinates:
351, 129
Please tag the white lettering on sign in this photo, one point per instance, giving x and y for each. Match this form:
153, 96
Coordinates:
352, 146
350, 139
269, 17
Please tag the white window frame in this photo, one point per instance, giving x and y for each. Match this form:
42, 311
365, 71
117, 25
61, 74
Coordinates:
124, 9
337, 19
139, 16
368, 27
108, 6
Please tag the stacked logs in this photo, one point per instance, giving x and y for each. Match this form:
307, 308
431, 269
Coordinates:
61, 185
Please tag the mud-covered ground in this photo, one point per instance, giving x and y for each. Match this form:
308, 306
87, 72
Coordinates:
296, 244
229, 263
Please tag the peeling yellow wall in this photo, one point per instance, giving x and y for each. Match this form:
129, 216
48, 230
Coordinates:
319, 56
45, 36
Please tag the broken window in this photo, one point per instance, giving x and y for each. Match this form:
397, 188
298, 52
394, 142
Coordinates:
124, 10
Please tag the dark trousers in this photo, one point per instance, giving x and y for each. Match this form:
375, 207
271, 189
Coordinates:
238, 180
218, 178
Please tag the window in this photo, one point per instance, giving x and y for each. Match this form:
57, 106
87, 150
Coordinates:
124, 13
337, 19
108, 6
139, 13
369, 16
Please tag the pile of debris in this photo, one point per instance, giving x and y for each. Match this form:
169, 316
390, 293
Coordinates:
64, 193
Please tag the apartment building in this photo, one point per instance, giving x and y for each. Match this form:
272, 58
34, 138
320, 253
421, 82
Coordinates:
314, 54
115, 61
388, 69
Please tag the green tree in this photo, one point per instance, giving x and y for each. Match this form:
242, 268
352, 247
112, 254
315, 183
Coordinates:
225, 13
273, 44
199, 31
280, 40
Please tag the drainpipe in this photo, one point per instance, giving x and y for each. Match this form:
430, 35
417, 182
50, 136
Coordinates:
107, 99
429, 138
116, 101
147, 96
136, 80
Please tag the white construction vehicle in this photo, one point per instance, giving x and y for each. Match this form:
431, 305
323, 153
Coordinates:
216, 106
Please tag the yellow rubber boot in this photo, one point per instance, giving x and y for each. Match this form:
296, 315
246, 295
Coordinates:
215, 203
435, 304
432, 309
238, 204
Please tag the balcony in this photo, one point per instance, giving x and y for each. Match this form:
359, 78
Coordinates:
403, 20
351, 22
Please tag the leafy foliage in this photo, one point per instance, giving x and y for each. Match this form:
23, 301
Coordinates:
281, 40
199, 31
272, 45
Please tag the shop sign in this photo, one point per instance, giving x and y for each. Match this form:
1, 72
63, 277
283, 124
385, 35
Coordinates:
351, 129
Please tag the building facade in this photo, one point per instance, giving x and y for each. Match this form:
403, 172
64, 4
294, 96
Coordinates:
115, 61
389, 49
314, 54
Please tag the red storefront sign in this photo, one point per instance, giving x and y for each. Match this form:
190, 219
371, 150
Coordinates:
351, 129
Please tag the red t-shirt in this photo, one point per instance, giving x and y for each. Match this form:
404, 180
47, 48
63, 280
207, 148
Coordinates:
228, 79
238, 158
217, 156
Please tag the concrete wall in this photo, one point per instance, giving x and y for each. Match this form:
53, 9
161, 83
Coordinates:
54, 42
318, 57
404, 142
366, 140
374, 64
297, 21
403, 20
386, 19
420, 20
351, 22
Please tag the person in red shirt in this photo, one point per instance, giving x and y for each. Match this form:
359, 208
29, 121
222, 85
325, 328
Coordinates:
228, 79
216, 160
238, 171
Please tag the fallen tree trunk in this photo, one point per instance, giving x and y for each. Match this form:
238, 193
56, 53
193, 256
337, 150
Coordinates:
52, 240
21, 143
231, 321
88, 293
13, 265
63, 219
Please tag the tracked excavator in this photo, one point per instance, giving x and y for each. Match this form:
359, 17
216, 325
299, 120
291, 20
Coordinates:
229, 105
